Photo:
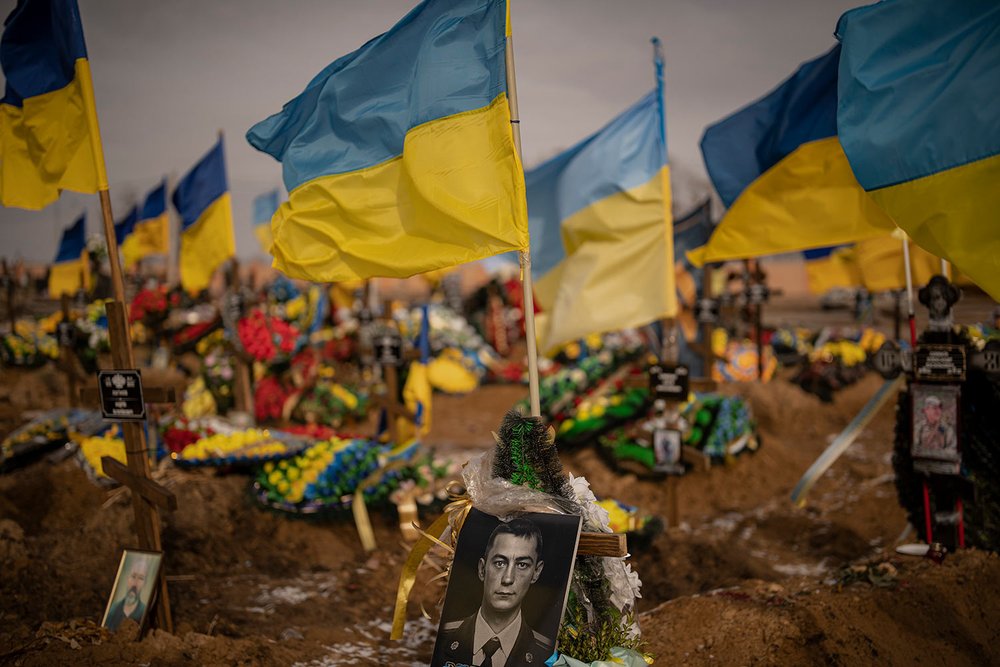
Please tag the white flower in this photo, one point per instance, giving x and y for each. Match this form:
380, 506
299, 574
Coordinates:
623, 582
581, 489
594, 516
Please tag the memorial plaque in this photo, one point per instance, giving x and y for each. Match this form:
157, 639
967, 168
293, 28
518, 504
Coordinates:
758, 294
121, 395
670, 383
66, 333
888, 361
389, 349
707, 311
939, 363
987, 360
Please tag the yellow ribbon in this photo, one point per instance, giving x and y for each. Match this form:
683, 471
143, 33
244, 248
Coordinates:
361, 520
454, 514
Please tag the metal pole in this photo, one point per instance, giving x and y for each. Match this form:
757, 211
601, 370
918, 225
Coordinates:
909, 292
524, 255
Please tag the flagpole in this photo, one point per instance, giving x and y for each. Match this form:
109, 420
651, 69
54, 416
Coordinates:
147, 519
909, 291
524, 255
669, 352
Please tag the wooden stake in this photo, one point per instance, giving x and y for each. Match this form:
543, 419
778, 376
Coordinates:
706, 327
66, 355
243, 383
524, 255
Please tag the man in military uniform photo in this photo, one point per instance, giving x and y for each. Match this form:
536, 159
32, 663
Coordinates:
934, 437
497, 635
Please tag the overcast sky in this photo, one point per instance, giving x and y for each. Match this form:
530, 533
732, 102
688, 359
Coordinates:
170, 75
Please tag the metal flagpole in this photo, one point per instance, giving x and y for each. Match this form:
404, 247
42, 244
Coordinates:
909, 291
524, 255
669, 351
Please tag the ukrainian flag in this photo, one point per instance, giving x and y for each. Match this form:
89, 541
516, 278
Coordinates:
399, 158
150, 232
919, 119
264, 207
780, 170
830, 268
48, 122
70, 271
125, 226
203, 202
599, 215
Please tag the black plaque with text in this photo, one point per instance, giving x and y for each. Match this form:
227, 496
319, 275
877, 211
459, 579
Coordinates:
670, 383
121, 395
939, 363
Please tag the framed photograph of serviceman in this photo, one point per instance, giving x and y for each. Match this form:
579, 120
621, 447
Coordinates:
935, 446
507, 591
133, 589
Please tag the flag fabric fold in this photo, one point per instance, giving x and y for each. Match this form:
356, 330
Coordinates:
48, 122
780, 170
71, 271
920, 123
264, 207
399, 157
600, 230
203, 202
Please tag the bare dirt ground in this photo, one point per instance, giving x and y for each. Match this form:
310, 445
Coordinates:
745, 578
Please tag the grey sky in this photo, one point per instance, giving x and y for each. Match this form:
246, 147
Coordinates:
169, 75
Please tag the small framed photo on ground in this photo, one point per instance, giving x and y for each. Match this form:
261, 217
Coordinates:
134, 586
507, 591
935, 447
667, 451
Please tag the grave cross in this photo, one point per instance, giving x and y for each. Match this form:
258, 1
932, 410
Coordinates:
147, 496
389, 402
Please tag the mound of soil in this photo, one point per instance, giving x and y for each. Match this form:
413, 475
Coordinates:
745, 578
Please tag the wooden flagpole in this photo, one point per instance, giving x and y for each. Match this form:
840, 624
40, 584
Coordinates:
524, 255
147, 518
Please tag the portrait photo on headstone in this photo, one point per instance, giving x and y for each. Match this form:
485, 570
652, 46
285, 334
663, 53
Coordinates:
935, 427
132, 593
507, 591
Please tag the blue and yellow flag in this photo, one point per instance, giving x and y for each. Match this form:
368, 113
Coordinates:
264, 207
780, 170
399, 158
150, 230
71, 271
48, 122
600, 230
832, 267
919, 119
206, 212
125, 226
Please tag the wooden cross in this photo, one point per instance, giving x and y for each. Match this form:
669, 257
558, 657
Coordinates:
390, 373
67, 355
243, 386
147, 496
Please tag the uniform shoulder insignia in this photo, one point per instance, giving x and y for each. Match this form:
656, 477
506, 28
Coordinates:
453, 625
541, 639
